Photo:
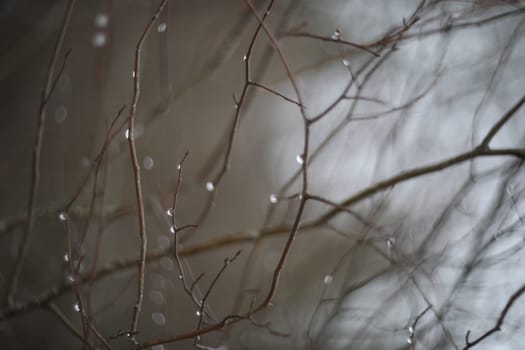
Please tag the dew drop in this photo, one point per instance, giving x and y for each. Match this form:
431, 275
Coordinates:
99, 39
390, 243
85, 162
161, 28
62, 216
148, 163
210, 186
244, 58
163, 242
157, 281
180, 276
158, 318
273, 199
66, 257
179, 167
70, 278
198, 312
133, 74
101, 20
409, 341
172, 229
411, 330
127, 133
236, 106
299, 159
76, 307
60, 114
169, 212
346, 62
328, 279
336, 35
166, 263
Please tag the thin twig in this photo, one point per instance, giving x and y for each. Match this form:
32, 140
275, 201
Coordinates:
37, 149
497, 327
136, 170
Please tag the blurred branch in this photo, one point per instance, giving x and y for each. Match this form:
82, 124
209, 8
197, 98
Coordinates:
37, 149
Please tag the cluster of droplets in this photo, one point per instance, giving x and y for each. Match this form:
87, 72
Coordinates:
100, 38
336, 35
410, 335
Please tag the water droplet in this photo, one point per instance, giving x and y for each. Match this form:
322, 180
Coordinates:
161, 28
62, 216
273, 199
390, 243
409, 341
158, 318
127, 133
179, 167
328, 279
157, 281
148, 163
76, 307
163, 242
133, 74
166, 263
70, 278
60, 114
244, 58
156, 297
66, 257
236, 106
173, 229
101, 20
180, 276
99, 39
299, 159
411, 330
169, 212
210, 186
336, 35
139, 130
85, 162
346, 62
198, 312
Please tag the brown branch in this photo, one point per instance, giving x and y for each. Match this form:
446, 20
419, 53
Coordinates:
226, 263
75, 283
336, 39
37, 149
497, 327
136, 170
